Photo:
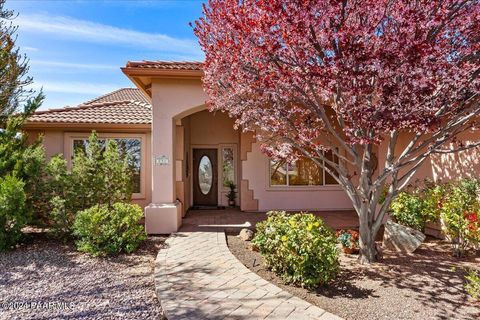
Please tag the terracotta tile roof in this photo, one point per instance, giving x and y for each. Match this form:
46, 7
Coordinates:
123, 94
102, 110
166, 65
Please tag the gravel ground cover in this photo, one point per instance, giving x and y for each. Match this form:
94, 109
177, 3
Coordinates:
46, 279
425, 285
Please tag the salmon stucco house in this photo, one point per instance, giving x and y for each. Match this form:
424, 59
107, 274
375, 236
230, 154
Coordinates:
187, 156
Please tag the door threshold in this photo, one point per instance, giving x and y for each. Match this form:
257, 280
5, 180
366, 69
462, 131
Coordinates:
207, 208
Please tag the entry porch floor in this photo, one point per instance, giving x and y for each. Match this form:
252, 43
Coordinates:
230, 219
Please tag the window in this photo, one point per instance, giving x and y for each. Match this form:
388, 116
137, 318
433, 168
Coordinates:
205, 175
126, 146
303, 172
228, 165
82, 144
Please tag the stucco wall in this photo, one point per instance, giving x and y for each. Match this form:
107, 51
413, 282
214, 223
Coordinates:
443, 167
52, 141
453, 166
209, 128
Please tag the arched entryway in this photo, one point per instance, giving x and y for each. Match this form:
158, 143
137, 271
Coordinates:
209, 159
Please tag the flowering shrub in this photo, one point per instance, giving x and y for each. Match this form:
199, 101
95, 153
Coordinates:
348, 238
460, 215
473, 226
473, 284
298, 247
456, 204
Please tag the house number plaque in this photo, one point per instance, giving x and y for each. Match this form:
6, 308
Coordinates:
162, 160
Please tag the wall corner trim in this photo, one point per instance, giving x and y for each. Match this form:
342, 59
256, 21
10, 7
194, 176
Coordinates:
247, 202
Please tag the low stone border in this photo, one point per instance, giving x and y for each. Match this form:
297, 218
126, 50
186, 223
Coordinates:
197, 277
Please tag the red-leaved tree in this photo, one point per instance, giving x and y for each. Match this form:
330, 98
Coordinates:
352, 77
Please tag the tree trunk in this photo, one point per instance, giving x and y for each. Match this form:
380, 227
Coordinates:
368, 249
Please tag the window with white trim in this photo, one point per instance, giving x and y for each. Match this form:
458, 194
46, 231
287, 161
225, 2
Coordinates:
126, 146
228, 166
303, 172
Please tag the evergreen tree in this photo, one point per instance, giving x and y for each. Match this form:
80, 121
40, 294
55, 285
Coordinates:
21, 164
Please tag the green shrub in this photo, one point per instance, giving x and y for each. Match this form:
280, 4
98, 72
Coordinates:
472, 284
433, 195
117, 172
455, 204
460, 215
12, 214
59, 201
32, 166
26, 162
408, 209
414, 208
42, 195
299, 247
102, 230
61, 220
101, 175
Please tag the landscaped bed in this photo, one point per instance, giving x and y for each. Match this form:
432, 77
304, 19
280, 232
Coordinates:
428, 284
64, 283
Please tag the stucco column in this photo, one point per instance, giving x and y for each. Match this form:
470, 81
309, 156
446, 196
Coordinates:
172, 99
163, 170
164, 214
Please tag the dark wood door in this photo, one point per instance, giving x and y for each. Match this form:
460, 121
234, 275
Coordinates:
205, 177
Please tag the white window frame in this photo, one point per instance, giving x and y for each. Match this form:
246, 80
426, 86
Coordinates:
69, 137
235, 167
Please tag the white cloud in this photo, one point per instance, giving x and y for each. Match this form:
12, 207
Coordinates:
69, 65
30, 49
82, 30
74, 87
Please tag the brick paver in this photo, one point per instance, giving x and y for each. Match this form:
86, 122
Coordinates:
197, 277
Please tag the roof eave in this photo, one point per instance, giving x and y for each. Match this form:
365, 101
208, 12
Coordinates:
42, 125
162, 73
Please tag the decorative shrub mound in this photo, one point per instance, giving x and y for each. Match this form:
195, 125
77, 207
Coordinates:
103, 230
12, 213
298, 247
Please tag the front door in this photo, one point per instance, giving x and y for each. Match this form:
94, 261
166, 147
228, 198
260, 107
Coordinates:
205, 177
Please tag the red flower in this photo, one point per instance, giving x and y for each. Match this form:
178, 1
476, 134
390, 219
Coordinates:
471, 217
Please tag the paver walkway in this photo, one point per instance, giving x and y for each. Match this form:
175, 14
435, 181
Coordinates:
197, 277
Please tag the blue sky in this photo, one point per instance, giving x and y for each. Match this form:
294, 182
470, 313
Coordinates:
76, 48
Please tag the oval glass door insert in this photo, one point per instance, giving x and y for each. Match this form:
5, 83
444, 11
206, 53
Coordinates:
205, 175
